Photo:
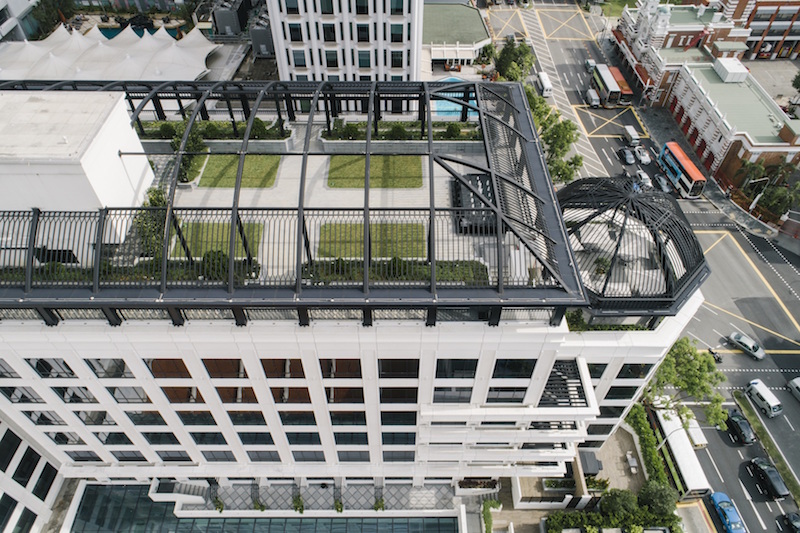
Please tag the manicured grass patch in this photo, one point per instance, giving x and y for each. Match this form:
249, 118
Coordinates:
196, 166
204, 237
386, 171
613, 8
388, 240
470, 273
768, 444
259, 172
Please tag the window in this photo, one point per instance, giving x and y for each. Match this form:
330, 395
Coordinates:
96, 418
255, 438
45, 481
345, 394
397, 7
348, 418
75, 394
7, 506
362, 7
452, 394
51, 368
295, 33
26, 520
8, 447
129, 456
208, 438
340, 368
197, 418
283, 368
591, 444
456, 368
596, 370
182, 394
397, 59
146, 418
237, 395
168, 368
109, 368
44, 418
161, 438
128, 394
514, 368
611, 412
634, 371
298, 418
6, 371
329, 33
21, 395
398, 418
116, 438
399, 438
397, 33
350, 438
308, 456
174, 456
506, 394
225, 368
326, 7
263, 456
354, 456
291, 7
247, 418
398, 395
621, 393
84, 456
303, 438
332, 58
290, 395
363, 59
219, 456
26, 467
299, 58
398, 368
599, 429
398, 456
362, 32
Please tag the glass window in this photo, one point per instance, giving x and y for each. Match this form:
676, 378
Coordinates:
398, 368
363, 59
109, 368
219, 456
21, 395
161, 438
182, 394
174, 456
514, 368
611, 412
298, 418
326, 7
129, 456
44, 418
75, 394
146, 418
198, 418
290, 395
398, 395
255, 438
634, 371
350, 438
264, 456
7, 506
8, 447
303, 438
340, 368
208, 438
398, 418
362, 7
506, 394
397, 59
295, 33
456, 368
25, 523
299, 57
84, 456
168, 368
348, 418
26, 467
291, 7
398, 456
362, 31
247, 418
283, 368
354, 456
596, 370
397, 33
344, 394
332, 58
6, 371
225, 368
397, 7
599, 429
51, 368
45, 481
128, 394
452, 394
399, 438
308, 456
96, 418
621, 393
237, 395
329, 33
115, 438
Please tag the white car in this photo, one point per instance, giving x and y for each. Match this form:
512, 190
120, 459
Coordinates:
644, 179
642, 155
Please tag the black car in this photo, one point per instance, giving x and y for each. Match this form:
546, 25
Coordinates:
769, 478
740, 428
792, 522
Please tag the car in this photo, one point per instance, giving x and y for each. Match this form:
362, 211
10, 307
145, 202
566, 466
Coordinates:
644, 179
747, 345
663, 184
525, 3
792, 522
794, 387
740, 428
626, 156
727, 513
769, 478
642, 155
590, 64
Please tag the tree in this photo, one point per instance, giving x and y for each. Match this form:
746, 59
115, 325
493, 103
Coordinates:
488, 54
544, 116
559, 138
514, 72
796, 82
658, 497
687, 373
618, 501
750, 171
520, 56
565, 171
779, 199
48, 13
150, 224
777, 173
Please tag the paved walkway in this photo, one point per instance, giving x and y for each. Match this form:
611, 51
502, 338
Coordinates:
696, 518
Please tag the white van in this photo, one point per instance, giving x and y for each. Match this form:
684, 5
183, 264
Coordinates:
544, 85
632, 136
764, 399
592, 98
794, 387
696, 434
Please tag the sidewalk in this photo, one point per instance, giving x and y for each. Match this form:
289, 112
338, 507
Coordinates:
695, 517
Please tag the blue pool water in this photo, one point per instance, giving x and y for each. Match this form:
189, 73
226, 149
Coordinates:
110, 33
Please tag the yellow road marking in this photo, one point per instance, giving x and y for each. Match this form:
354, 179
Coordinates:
715, 243
711, 231
718, 308
564, 23
515, 14
776, 352
612, 120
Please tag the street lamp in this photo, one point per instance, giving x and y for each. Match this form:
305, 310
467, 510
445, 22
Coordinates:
666, 438
758, 197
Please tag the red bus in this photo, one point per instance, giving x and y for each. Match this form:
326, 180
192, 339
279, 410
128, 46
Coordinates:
625, 91
681, 172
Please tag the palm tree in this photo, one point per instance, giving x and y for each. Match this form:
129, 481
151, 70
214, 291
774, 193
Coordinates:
781, 171
749, 171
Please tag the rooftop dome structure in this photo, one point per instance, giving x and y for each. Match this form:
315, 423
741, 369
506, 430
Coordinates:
635, 251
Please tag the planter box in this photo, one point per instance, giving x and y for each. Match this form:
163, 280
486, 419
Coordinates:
399, 148
474, 492
163, 147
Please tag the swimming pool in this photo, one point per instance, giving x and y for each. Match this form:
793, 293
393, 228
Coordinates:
444, 108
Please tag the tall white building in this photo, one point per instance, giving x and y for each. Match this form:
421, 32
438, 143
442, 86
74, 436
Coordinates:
16, 20
308, 340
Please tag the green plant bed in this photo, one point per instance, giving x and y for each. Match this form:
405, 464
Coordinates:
768, 444
388, 240
259, 171
637, 418
203, 237
576, 322
470, 273
213, 130
386, 172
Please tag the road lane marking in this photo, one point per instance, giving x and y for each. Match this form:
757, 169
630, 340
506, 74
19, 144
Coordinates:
715, 243
780, 507
790, 424
698, 338
710, 310
740, 453
769, 507
750, 499
720, 334
778, 523
715, 466
737, 329
771, 332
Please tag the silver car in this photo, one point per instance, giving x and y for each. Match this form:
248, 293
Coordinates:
747, 345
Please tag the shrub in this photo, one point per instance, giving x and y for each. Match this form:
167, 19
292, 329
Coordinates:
297, 504
380, 505
637, 418
215, 265
166, 131
453, 131
258, 506
338, 506
618, 501
211, 131
488, 505
397, 133
218, 504
259, 130
657, 497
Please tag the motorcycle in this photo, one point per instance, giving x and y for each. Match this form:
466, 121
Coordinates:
716, 355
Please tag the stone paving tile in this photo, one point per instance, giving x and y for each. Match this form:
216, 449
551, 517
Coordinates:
358, 496
317, 497
425, 497
277, 496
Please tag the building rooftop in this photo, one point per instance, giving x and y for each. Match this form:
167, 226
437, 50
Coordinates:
51, 126
688, 15
758, 118
680, 56
452, 23
730, 46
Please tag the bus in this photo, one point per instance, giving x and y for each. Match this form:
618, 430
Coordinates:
680, 171
683, 466
605, 85
625, 91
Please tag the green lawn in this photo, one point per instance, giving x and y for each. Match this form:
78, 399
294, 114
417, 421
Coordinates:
260, 171
196, 166
386, 172
206, 236
613, 8
388, 240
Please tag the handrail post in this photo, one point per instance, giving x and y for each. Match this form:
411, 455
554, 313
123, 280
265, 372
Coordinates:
31, 246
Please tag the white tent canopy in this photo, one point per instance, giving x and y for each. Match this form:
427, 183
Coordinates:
65, 56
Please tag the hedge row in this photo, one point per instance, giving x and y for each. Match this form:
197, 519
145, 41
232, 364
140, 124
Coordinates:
637, 418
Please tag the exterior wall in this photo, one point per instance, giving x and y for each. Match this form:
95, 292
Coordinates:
775, 30
17, 24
